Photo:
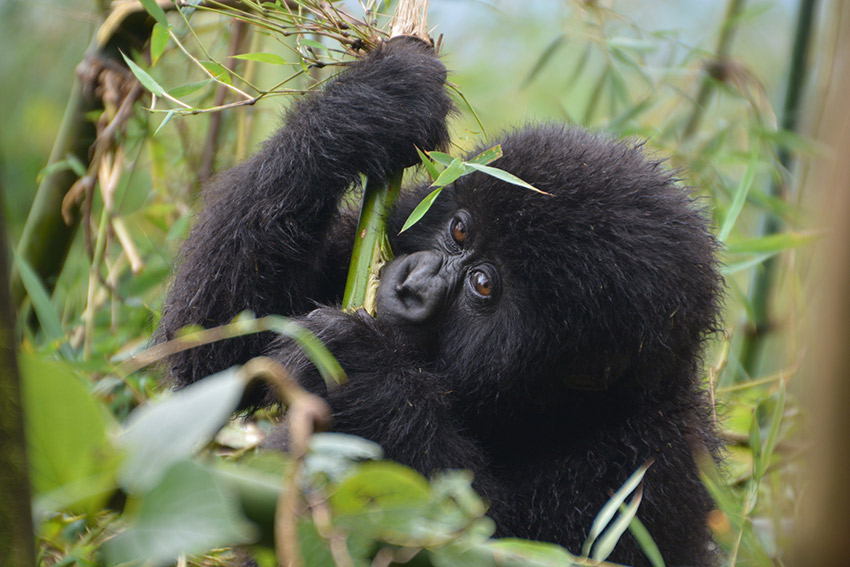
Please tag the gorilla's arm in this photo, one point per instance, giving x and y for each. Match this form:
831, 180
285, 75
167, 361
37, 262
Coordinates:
261, 242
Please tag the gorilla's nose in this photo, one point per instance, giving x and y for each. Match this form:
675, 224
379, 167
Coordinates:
412, 289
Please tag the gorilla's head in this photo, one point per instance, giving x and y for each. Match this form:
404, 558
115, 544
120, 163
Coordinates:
610, 276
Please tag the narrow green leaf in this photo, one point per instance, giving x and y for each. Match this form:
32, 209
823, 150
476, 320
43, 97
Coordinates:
44, 310
421, 209
773, 243
316, 351
263, 58
487, 156
451, 173
188, 88
646, 543
740, 196
155, 11
218, 71
504, 176
430, 166
165, 121
146, 80
773, 433
441, 158
314, 44
609, 510
159, 40
544, 58
605, 546
633, 44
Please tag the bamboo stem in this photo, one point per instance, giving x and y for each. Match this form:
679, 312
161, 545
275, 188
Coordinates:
371, 247
765, 276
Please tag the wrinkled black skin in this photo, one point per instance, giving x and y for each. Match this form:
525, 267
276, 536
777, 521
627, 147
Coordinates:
579, 367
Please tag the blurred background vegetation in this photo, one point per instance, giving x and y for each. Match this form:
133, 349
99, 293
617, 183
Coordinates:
732, 91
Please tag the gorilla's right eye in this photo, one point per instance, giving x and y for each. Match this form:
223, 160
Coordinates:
459, 231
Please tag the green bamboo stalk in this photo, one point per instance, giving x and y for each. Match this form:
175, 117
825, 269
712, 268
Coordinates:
46, 238
371, 246
765, 276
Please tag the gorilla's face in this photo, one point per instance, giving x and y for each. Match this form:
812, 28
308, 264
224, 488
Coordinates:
417, 289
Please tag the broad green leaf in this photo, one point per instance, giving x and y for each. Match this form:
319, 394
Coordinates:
430, 166
70, 458
189, 511
263, 58
188, 88
155, 11
147, 81
159, 40
158, 435
740, 196
218, 71
380, 485
487, 156
421, 209
504, 176
454, 170
609, 510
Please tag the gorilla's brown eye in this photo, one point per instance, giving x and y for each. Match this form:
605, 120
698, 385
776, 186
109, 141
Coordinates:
481, 283
459, 231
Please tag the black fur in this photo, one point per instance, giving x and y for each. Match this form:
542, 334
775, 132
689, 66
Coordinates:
582, 366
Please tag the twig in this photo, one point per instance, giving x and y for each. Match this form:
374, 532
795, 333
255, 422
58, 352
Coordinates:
305, 414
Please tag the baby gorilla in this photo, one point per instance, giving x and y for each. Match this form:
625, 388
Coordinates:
549, 343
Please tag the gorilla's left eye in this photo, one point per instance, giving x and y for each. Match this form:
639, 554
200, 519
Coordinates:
459, 231
481, 283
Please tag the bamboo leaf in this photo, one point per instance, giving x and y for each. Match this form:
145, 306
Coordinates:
156, 12
613, 534
272, 58
646, 543
451, 173
429, 165
504, 176
147, 81
44, 310
315, 44
442, 158
218, 71
165, 121
421, 209
188, 88
159, 41
487, 156
740, 196
773, 243
544, 58
607, 513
